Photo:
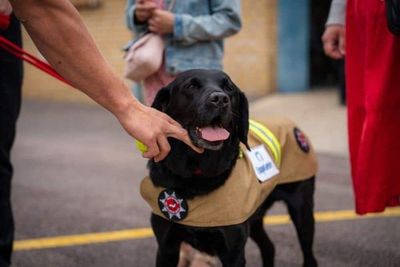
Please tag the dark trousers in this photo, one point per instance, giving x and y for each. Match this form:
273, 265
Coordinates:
10, 102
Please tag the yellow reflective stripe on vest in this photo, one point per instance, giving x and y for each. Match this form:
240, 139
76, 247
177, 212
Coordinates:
268, 138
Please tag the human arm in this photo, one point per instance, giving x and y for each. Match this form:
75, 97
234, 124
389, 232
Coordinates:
334, 35
61, 36
224, 20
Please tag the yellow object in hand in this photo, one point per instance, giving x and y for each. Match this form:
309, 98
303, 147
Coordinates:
142, 147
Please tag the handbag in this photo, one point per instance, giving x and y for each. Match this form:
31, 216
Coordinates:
393, 16
144, 55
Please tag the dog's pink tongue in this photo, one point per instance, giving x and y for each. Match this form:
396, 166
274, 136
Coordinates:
214, 134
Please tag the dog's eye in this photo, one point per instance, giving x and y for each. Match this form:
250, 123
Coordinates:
228, 87
192, 86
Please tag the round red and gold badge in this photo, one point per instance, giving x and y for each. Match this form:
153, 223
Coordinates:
172, 206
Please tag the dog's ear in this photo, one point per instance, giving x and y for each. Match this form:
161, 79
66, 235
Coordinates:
162, 99
243, 119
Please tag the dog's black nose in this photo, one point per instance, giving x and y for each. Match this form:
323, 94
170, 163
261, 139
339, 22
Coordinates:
219, 99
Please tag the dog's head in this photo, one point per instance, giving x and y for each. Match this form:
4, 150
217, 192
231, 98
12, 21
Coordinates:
215, 113
209, 105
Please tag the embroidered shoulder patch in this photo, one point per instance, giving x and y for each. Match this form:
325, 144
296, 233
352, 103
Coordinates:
301, 140
172, 206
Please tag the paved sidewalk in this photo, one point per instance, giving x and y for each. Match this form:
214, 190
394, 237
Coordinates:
78, 172
317, 112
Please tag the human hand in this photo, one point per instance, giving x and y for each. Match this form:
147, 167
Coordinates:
334, 41
144, 9
152, 128
161, 21
5, 7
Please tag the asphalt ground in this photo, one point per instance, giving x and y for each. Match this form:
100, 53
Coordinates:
76, 184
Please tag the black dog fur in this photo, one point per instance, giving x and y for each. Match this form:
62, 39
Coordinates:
199, 98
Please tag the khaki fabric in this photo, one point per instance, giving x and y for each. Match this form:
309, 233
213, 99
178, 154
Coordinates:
296, 165
242, 193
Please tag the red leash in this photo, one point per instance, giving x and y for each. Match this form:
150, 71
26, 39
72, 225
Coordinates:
18, 52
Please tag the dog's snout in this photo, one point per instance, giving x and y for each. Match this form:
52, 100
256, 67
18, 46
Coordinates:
219, 99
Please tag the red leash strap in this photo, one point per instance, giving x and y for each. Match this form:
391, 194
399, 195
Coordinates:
18, 52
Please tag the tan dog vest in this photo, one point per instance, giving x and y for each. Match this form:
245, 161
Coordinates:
243, 192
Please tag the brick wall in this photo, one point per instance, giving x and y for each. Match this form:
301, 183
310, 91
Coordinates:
250, 56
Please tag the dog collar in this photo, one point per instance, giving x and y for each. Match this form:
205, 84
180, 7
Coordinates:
197, 172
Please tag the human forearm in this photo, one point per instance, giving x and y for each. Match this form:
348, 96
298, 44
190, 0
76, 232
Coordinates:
224, 20
60, 35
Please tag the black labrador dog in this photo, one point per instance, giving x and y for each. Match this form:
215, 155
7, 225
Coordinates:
215, 113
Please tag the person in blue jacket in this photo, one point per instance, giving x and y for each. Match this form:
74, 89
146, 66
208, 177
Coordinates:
193, 33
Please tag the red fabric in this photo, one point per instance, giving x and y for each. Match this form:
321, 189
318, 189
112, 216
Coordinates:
4, 21
373, 93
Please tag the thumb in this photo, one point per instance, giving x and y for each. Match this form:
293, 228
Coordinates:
342, 44
182, 134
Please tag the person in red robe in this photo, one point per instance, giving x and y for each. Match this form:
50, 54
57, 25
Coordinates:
373, 99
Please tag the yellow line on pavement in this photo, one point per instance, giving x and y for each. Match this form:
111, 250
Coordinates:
330, 216
139, 233
82, 239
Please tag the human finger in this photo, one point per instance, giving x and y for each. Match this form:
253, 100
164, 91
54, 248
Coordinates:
176, 131
342, 44
164, 148
153, 27
152, 150
149, 5
150, 22
145, 8
331, 49
143, 14
181, 134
